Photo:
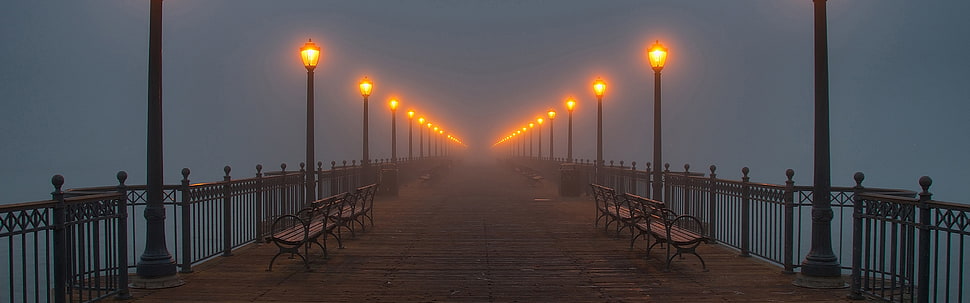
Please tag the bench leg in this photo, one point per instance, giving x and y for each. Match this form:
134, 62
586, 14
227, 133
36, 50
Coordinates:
292, 251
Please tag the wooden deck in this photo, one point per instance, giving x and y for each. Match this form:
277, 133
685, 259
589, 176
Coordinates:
482, 233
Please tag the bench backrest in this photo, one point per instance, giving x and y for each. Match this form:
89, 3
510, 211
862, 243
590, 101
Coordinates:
365, 195
650, 208
326, 206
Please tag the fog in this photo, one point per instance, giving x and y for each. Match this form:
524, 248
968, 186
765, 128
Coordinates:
737, 88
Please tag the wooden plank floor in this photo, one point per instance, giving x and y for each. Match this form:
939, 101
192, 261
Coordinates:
482, 233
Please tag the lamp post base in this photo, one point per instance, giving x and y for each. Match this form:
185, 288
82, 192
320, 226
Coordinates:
805, 281
138, 282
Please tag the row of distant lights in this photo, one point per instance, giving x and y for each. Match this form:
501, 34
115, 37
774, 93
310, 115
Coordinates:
657, 54
311, 55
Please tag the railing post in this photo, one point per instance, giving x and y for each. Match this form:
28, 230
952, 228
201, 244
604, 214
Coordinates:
923, 279
227, 213
123, 293
632, 181
259, 203
789, 249
712, 205
855, 287
305, 181
61, 272
319, 180
745, 212
649, 191
666, 187
186, 209
334, 180
686, 194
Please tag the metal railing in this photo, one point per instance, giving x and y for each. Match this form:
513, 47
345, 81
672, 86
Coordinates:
896, 247
81, 245
71, 248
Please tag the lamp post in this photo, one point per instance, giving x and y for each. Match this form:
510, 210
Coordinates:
441, 133
821, 268
599, 87
521, 143
393, 104
155, 261
531, 126
552, 146
311, 55
365, 89
420, 138
570, 105
429, 139
436, 143
539, 136
410, 135
658, 57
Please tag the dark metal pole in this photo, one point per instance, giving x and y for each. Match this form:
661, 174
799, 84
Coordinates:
420, 142
569, 143
657, 149
551, 133
155, 261
366, 157
410, 138
530, 142
394, 135
821, 261
539, 132
599, 138
310, 175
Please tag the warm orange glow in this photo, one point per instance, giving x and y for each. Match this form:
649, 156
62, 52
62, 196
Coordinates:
570, 104
658, 56
531, 125
365, 87
599, 86
435, 128
393, 104
524, 129
552, 114
518, 132
539, 120
421, 121
311, 54
441, 132
410, 114
429, 124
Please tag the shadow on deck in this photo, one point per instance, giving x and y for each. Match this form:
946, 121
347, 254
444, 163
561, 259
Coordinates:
483, 233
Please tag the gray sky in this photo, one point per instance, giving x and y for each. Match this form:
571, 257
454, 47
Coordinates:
737, 88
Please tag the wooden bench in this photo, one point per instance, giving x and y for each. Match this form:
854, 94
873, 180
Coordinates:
529, 173
684, 233
613, 208
306, 227
357, 206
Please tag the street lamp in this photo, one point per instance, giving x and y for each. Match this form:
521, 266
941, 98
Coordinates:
365, 89
599, 87
570, 105
155, 261
311, 55
658, 57
410, 135
393, 104
531, 125
441, 149
552, 146
429, 139
436, 143
539, 131
821, 268
420, 138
